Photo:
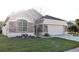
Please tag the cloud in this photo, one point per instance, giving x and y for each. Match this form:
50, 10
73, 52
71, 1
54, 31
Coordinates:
66, 9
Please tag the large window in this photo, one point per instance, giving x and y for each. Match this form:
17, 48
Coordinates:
21, 25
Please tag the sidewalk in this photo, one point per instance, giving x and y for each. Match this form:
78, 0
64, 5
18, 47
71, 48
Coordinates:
68, 37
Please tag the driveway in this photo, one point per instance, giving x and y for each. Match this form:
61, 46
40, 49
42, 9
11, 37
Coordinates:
68, 36
73, 50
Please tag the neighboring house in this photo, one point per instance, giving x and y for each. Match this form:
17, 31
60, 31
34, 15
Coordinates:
33, 23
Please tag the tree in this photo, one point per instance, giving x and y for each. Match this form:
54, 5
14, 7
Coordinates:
73, 28
1, 24
77, 22
70, 23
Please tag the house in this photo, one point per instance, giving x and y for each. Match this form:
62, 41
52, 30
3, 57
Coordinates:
33, 23
55, 25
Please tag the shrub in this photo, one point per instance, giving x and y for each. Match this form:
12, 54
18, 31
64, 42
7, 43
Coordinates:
0, 30
24, 35
30, 36
73, 28
46, 34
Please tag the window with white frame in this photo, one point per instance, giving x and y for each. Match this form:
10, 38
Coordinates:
21, 25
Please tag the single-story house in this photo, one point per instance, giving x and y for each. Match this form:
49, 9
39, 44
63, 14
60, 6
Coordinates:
32, 22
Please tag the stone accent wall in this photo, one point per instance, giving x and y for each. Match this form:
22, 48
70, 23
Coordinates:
30, 27
12, 26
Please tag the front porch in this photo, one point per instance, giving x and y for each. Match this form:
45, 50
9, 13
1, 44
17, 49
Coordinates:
40, 29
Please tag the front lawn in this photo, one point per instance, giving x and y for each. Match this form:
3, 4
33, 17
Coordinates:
36, 45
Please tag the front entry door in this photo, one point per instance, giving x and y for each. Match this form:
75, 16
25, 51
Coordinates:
38, 30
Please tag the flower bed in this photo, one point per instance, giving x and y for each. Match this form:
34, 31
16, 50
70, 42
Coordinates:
74, 33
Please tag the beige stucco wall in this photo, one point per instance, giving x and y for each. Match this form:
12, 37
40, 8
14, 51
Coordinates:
55, 22
5, 29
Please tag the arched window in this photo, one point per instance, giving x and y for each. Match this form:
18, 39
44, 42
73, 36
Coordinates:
21, 25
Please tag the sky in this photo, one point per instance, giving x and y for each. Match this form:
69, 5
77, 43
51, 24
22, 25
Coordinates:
64, 9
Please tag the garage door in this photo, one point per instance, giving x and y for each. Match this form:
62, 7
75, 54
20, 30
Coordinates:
55, 30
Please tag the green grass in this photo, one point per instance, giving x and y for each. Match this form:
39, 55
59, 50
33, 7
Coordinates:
36, 45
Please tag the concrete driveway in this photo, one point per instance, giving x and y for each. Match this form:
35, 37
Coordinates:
68, 37
73, 50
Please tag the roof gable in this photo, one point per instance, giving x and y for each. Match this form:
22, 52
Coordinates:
31, 13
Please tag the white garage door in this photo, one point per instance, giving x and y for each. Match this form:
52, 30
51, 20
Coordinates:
55, 30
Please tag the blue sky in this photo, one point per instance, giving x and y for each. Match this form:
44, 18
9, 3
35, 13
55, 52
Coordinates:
64, 9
